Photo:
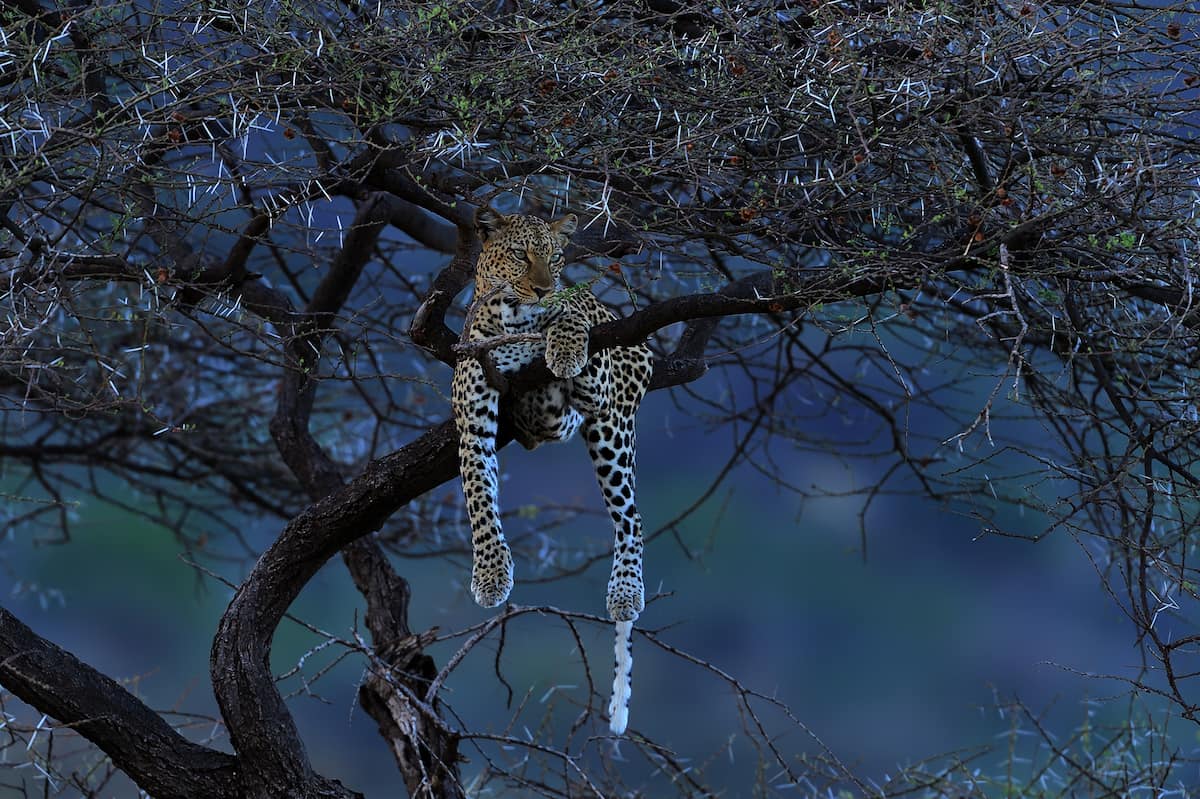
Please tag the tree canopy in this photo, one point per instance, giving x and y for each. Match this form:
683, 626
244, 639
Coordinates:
236, 237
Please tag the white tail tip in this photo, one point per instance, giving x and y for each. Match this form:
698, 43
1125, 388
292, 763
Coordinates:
618, 706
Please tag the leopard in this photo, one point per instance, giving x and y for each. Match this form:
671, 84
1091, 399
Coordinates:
520, 307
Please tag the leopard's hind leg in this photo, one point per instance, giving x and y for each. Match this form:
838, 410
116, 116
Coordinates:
611, 443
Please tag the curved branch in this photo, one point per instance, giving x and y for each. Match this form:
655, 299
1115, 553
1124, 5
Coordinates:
241, 672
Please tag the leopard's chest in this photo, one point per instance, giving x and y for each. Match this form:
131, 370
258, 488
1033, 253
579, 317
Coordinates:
514, 317
521, 318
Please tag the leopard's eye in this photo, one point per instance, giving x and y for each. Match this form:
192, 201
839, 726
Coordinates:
556, 258
521, 253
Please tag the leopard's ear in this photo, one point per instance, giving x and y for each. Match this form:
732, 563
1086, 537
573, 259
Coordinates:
488, 222
564, 227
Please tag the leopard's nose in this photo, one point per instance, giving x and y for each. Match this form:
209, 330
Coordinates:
542, 292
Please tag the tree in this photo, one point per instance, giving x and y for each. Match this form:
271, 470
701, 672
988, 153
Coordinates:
211, 217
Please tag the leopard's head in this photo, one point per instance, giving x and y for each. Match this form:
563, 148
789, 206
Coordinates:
521, 254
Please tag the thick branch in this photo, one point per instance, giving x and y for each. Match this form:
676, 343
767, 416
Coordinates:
241, 672
421, 227
754, 294
161, 761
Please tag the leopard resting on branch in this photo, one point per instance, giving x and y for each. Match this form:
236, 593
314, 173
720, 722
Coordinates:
516, 274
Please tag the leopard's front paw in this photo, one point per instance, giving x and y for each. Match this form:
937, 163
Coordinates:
492, 577
626, 598
565, 362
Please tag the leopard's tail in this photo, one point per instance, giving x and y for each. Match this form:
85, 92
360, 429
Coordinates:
618, 706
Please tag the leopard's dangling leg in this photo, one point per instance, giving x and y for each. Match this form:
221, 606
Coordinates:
611, 443
476, 410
